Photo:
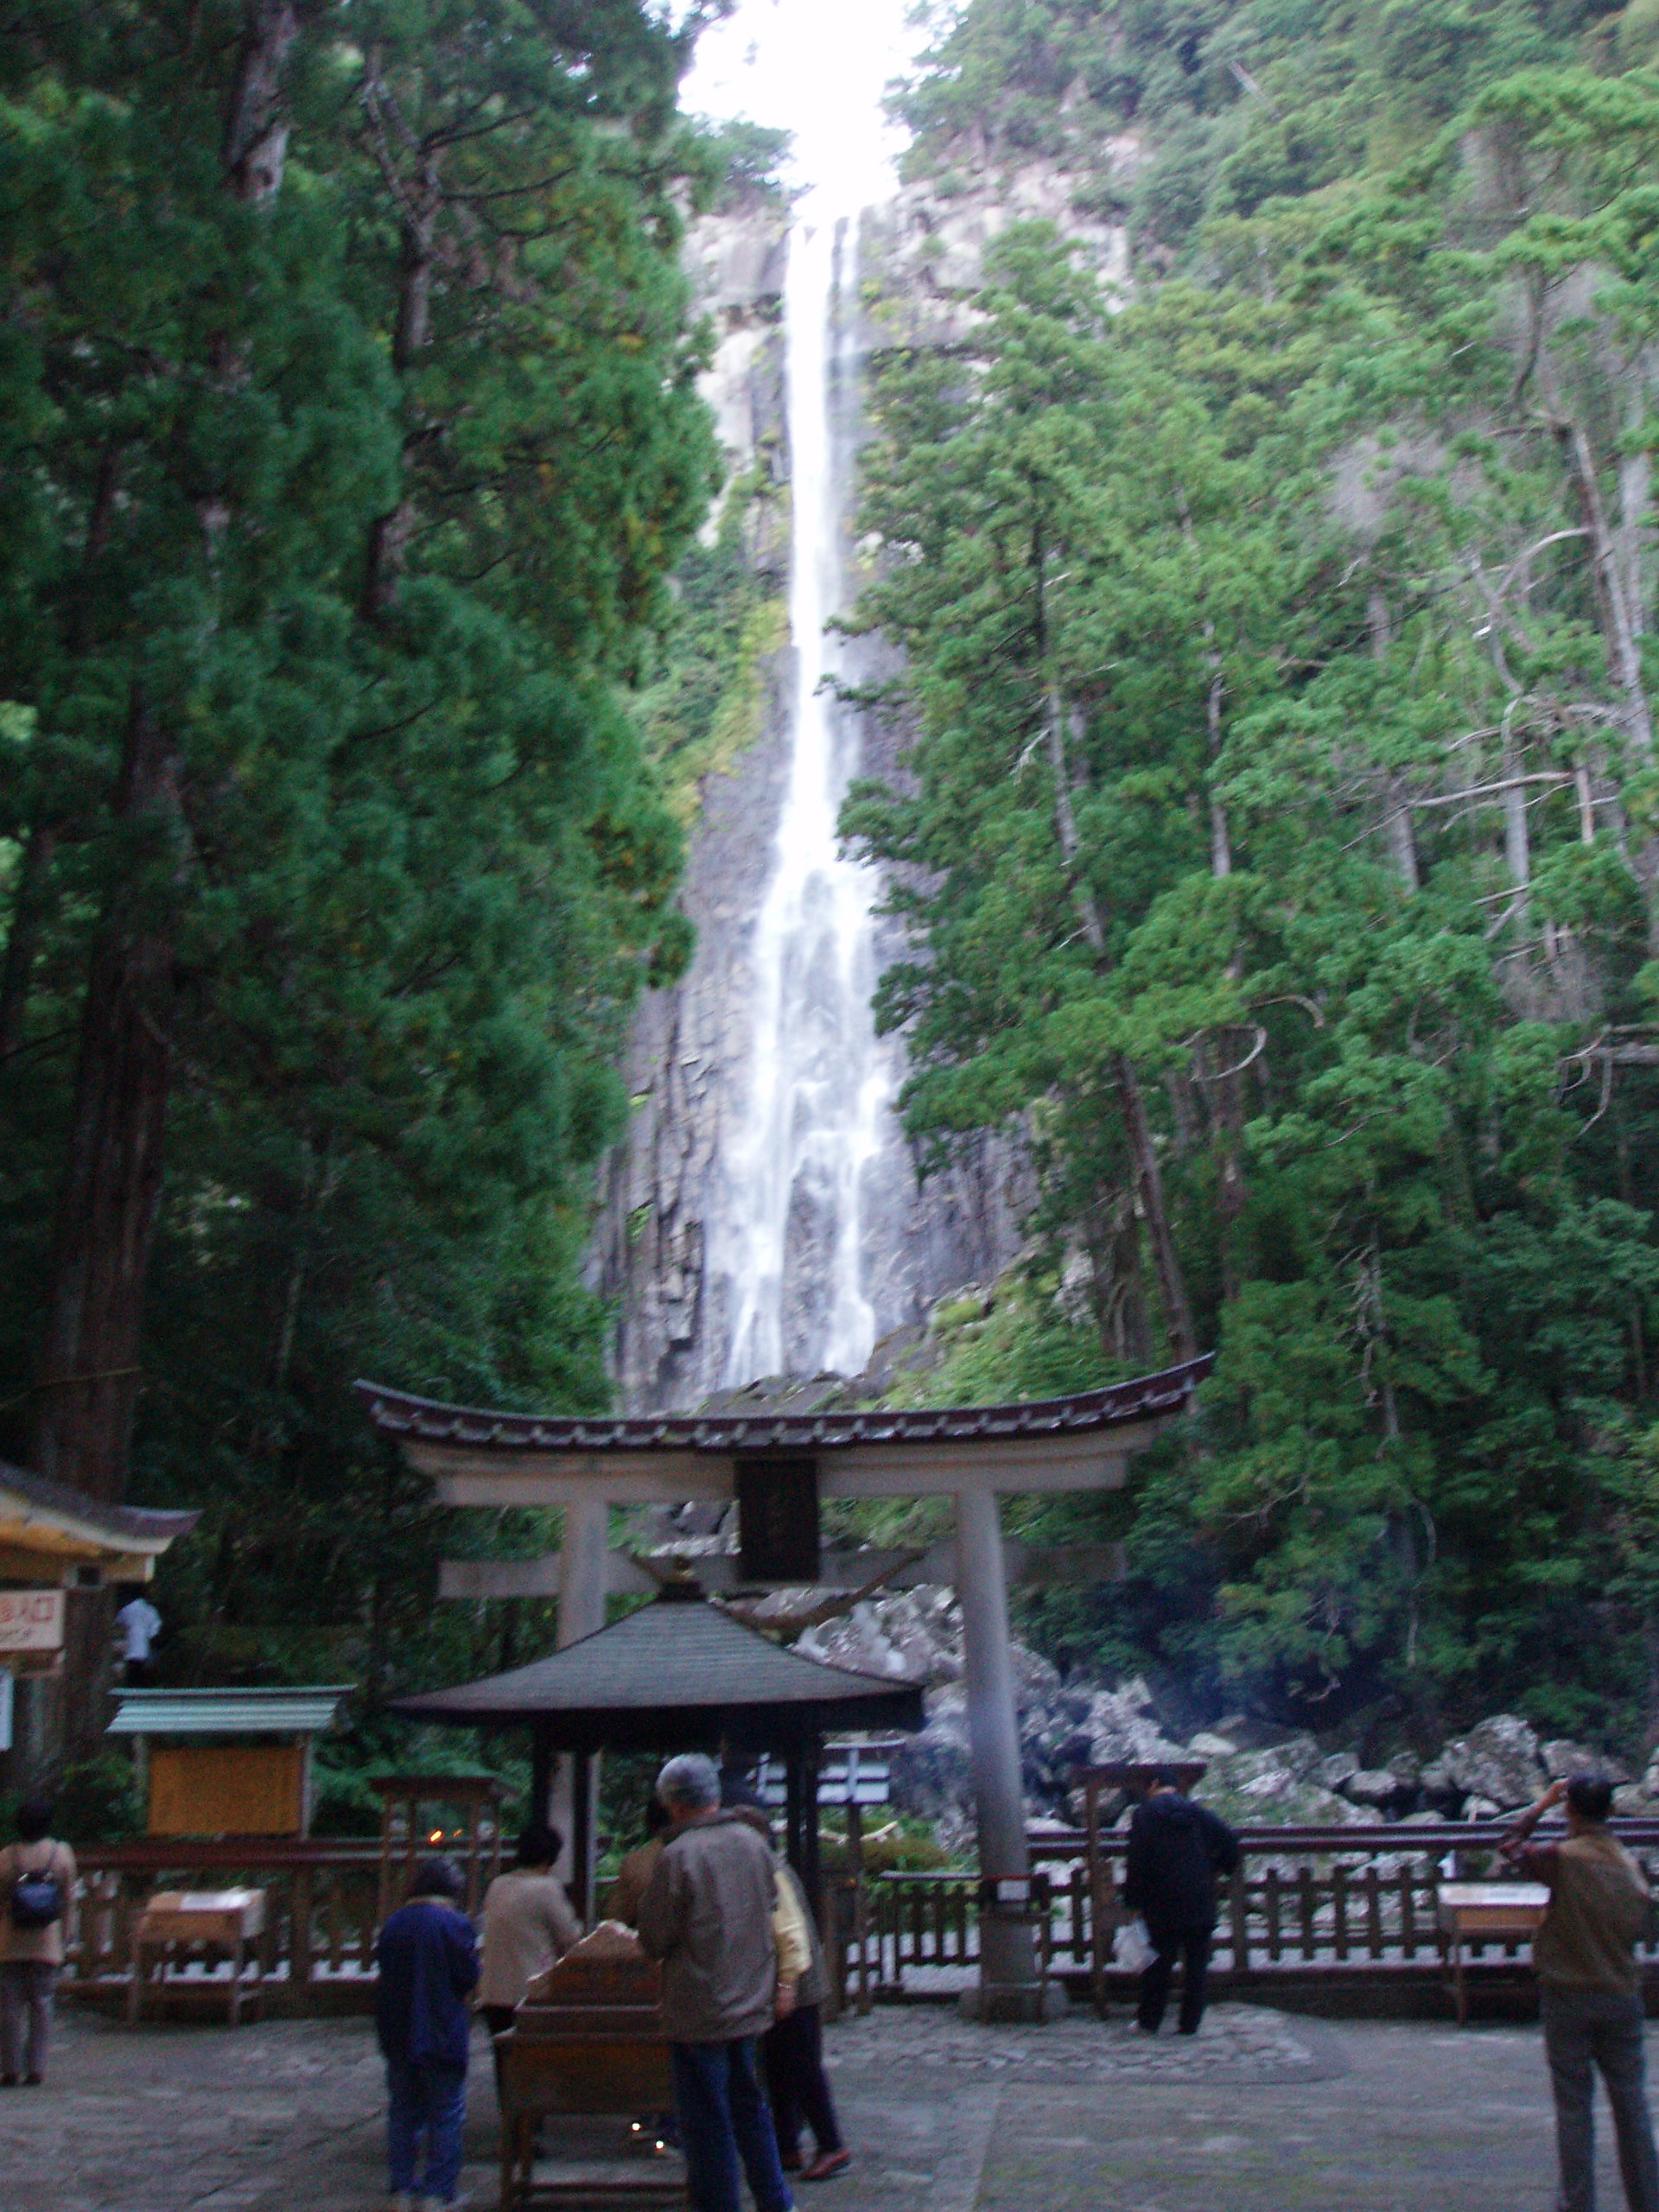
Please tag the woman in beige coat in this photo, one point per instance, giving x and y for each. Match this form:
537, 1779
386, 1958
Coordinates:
37, 1887
528, 1924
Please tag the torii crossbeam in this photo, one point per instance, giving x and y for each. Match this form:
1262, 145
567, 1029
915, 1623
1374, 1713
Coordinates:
974, 1454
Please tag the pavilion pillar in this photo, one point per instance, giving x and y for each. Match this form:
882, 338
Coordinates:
1008, 1985
582, 1612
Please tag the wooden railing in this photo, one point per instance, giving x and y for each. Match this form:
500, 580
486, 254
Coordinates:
1312, 1900
1318, 1901
322, 1908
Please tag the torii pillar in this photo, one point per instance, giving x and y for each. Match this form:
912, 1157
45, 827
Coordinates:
573, 1800
1008, 1987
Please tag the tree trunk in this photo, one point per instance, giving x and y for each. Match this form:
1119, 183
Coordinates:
1620, 633
28, 909
1402, 848
1149, 1182
88, 1381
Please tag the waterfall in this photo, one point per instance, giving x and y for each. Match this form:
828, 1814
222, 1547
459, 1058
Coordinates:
787, 1238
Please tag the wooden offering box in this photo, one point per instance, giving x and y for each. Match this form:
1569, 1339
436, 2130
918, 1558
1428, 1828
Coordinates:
586, 2040
1484, 1912
232, 1919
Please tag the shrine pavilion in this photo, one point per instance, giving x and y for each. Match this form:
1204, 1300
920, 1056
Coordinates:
777, 1467
677, 1675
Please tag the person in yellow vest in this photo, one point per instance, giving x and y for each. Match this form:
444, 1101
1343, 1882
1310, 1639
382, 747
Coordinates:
1590, 1988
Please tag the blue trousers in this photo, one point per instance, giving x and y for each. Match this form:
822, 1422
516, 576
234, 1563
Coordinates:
429, 2101
724, 2118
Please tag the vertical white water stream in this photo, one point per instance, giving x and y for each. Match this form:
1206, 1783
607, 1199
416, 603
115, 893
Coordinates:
788, 1238
785, 1236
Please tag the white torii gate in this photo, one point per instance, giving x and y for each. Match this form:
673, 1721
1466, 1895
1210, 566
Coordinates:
974, 1454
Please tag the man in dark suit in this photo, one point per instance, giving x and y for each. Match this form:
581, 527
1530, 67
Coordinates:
1176, 1851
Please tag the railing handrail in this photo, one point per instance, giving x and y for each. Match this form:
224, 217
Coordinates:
144, 1854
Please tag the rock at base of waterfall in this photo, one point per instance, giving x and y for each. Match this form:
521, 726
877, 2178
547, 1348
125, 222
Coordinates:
1563, 1758
1279, 1787
914, 1636
1207, 1745
1378, 1787
1498, 1761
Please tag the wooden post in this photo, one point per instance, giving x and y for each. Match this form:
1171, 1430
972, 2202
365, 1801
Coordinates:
810, 1866
1008, 1986
582, 1612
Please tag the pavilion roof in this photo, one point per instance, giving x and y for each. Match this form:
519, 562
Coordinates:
39, 1514
675, 1670
735, 1430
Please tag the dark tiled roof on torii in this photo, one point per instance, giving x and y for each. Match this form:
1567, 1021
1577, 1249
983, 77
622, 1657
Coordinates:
395, 1412
678, 1669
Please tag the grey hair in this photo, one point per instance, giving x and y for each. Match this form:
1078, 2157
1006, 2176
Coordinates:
691, 1782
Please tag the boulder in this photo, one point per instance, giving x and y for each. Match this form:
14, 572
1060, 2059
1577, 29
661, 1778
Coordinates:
1279, 1787
1563, 1758
1208, 1744
1498, 1762
914, 1636
1338, 1769
1377, 1786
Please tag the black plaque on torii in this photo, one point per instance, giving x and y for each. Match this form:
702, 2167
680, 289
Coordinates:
778, 1517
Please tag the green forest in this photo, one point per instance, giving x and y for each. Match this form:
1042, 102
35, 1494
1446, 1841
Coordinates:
1275, 838
347, 378
1278, 837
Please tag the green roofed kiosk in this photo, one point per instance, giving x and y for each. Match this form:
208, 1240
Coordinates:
778, 1465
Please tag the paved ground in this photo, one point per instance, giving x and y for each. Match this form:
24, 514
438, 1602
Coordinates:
1260, 2114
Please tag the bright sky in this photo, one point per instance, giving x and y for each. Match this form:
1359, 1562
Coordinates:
818, 68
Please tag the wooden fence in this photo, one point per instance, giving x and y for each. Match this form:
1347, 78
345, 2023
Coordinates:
1303, 1901
322, 1910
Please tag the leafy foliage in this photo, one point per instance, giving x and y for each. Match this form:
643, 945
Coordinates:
364, 487
1277, 695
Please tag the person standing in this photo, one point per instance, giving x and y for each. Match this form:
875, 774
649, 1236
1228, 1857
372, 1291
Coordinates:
731, 1955
792, 2046
140, 1624
427, 1956
37, 1886
633, 1875
1176, 1851
528, 1923
1590, 1988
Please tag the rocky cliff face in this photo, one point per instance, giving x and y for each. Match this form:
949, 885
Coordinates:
924, 256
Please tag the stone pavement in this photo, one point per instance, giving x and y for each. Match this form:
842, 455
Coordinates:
1261, 2112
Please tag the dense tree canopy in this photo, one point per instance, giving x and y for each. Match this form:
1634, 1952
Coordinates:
1282, 759
351, 431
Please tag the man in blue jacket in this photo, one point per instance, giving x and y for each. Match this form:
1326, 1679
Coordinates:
1176, 1851
428, 1959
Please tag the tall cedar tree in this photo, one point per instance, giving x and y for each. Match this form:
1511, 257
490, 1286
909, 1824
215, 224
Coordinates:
351, 428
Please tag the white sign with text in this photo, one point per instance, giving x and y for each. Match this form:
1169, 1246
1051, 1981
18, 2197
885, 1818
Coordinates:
31, 1620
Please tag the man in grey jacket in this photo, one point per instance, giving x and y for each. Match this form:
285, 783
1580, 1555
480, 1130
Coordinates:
707, 1916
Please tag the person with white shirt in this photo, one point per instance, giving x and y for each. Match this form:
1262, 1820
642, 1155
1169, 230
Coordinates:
140, 1624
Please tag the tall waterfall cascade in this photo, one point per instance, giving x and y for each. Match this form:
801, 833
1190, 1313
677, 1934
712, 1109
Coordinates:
792, 1194
763, 1216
